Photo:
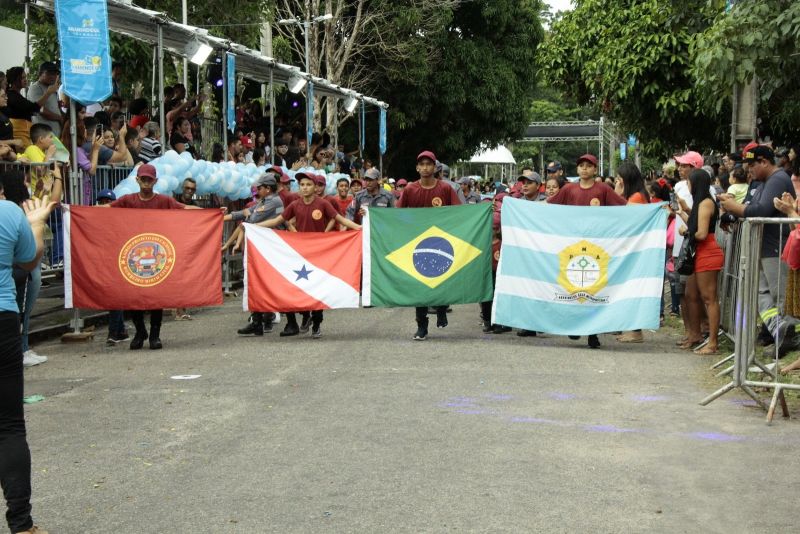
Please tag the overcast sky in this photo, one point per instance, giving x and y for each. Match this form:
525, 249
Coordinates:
559, 5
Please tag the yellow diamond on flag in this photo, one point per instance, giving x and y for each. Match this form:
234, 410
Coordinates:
433, 256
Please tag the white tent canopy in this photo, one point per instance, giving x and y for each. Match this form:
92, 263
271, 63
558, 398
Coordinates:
500, 155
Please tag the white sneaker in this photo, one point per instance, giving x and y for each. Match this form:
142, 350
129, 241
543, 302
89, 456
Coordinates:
30, 358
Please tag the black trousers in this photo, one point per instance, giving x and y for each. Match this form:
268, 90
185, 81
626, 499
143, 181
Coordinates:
15, 457
422, 312
137, 316
316, 317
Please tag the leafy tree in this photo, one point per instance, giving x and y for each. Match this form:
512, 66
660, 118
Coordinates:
469, 89
633, 64
759, 39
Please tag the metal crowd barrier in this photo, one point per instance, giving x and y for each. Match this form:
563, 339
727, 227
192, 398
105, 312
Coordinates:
106, 177
728, 284
746, 317
210, 133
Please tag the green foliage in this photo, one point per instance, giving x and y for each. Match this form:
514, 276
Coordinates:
632, 63
755, 39
471, 90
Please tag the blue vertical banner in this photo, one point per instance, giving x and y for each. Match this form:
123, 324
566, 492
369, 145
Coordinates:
85, 51
382, 131
231, 81
623, 151
363, 122
309, 113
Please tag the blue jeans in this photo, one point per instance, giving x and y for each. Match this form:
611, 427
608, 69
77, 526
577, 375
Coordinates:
116, 323
30, 295
57, 227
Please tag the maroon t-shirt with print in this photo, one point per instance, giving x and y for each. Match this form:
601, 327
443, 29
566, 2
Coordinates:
416, 196
313, 217
599, 194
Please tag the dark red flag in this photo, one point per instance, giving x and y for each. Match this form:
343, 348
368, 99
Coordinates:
142, 259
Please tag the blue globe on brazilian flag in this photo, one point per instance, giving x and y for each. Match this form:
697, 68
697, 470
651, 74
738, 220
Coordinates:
428, 256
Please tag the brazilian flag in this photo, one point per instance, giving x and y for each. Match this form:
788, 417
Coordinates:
428, 256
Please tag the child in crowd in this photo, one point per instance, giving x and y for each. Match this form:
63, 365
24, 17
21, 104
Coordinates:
739, 186
41, 150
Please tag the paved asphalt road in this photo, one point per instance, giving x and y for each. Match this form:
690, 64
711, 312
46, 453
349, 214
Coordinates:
368, 431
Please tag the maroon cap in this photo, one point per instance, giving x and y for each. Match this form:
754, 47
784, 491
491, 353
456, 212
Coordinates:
427, 154
588, 158
282, 176
320, 180
401, 181
354, 180
147, 170
308, 175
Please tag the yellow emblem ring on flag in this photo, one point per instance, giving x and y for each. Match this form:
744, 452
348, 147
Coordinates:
583, 268
433, 257
146, 260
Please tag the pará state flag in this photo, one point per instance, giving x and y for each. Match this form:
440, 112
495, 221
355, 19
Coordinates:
301, 271
428, 256
580, 270
141, 259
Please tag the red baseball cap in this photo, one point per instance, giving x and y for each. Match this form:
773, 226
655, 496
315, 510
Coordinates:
401, 181
749, 148
246, 141
283, 177
147, 170
300, 175
354, 180
427, 154
690, 158
589, 158
320, 180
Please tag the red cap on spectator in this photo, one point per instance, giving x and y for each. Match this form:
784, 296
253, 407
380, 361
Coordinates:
589, 158
354, 180
246, 141
279, 171
300, 175
749, 147
401, 181
320, 180
427, 154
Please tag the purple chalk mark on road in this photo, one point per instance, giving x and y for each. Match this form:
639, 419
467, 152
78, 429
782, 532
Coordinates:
498, 397
608, 428
561, 396
715, 436
457, 405
650, 398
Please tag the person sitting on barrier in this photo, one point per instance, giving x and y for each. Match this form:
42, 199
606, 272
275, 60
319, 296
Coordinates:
709, 260
771, 277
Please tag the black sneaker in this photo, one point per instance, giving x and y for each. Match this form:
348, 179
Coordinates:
594, 342
441, 319
306, 324
268, 328
487, 327
115, 338
526, 333
574, 337
500, 329
421, 334
290, 331
316, 331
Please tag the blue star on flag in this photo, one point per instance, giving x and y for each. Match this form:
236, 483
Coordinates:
302, 273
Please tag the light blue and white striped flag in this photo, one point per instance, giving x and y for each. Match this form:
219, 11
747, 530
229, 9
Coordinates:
580, 270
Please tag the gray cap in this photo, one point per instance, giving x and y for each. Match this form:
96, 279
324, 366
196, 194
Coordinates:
267, 179
464, 180
372, 174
